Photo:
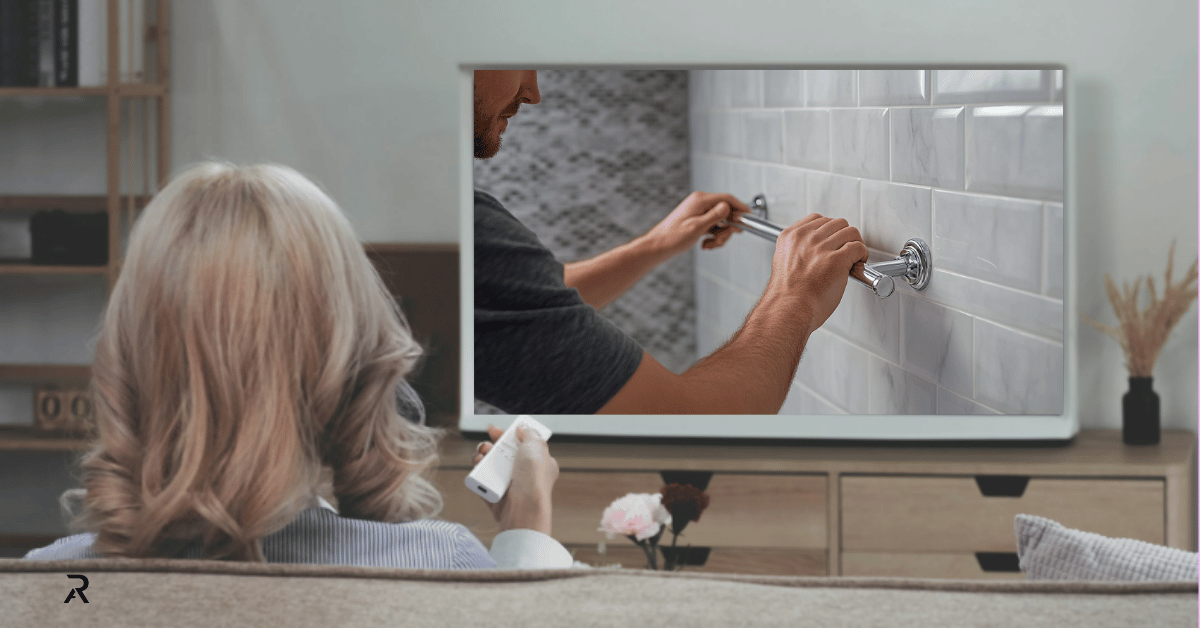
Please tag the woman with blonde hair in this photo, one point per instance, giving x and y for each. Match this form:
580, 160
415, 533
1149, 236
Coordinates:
248, 344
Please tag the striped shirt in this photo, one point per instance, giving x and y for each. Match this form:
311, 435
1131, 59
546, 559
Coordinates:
319, 535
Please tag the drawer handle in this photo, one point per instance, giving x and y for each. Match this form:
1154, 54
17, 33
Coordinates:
1002, 485
698, 479
994, 562
690, 556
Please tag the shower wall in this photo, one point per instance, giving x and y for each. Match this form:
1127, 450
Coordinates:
601, 160
970, 161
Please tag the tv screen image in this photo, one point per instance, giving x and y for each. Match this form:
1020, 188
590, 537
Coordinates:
970, 161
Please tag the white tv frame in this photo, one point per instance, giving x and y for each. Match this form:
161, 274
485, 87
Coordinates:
840, 427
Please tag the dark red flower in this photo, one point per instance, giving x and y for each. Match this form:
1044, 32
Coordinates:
685, 503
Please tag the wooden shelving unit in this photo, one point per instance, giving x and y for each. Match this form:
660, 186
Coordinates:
142, 103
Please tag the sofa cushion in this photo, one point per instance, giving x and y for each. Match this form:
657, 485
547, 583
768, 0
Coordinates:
1048, 551
185, 593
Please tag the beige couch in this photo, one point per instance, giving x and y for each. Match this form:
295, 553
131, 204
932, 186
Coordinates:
184, 593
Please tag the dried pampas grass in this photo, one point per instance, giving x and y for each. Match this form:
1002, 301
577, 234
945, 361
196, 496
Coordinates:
1142, 333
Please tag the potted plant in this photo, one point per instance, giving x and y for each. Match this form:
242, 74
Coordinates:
1142, 334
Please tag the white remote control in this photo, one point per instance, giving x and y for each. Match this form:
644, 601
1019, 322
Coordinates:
491, 477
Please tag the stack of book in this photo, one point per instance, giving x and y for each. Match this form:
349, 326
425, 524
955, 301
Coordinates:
63, 43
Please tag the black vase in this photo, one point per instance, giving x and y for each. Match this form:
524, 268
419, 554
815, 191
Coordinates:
1139, 420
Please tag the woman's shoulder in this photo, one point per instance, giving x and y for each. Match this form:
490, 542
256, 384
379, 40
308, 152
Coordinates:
67, 548
328, 519
322, 536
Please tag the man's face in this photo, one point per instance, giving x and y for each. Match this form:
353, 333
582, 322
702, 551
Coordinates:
498, 94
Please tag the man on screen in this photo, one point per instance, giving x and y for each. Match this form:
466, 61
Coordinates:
541, 348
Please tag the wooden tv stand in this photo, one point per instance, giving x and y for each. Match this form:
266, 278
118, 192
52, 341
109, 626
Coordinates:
940, 512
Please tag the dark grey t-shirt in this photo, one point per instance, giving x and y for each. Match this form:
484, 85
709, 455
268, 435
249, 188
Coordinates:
539, 349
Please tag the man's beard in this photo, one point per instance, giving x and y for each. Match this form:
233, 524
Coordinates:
488, 141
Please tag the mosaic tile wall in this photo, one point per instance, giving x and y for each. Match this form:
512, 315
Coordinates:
601, 160
970, 161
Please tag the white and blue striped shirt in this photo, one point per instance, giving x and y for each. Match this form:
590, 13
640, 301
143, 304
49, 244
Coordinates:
319, 535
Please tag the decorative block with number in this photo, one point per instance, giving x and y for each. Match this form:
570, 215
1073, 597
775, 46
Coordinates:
63, 410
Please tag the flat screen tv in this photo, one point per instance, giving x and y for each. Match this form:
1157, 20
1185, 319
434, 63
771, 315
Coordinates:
971, 344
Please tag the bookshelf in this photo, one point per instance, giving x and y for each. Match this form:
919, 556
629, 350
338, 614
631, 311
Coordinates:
143, 105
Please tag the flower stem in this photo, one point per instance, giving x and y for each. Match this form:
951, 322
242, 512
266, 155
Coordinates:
648, 549
652, 555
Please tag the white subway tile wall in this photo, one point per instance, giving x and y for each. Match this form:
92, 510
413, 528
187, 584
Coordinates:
786, 191
783, 88
1052, 273
834, 195
858, 139
1016, 150
989, 237
970, 161
892, 390
764, 136
893, 87
984, 86
927, 146
806, 138
745, 88
831, 88
898, 212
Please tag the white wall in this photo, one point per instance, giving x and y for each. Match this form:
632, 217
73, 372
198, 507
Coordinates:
969, 161
342, 91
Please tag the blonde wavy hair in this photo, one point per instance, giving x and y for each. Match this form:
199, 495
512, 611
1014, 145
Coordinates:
248, 343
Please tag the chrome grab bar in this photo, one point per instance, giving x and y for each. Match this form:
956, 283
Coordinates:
914, 264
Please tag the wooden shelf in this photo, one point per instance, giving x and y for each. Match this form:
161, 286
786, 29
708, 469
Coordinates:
142, 90
68, 202
30, 438
35, 269
38, 373
125, 90
52, 92
1091, 452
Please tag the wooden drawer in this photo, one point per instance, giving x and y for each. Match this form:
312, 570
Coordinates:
939, 513
720, 559
961, 565
746, 510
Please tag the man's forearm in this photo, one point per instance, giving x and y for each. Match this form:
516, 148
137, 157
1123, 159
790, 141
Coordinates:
752, 372
601, 279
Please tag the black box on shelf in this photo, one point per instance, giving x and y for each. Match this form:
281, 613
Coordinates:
60, 238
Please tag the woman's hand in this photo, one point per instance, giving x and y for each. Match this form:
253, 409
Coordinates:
526, 503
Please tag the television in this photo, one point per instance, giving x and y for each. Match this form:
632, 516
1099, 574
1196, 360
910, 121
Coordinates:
969, 161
